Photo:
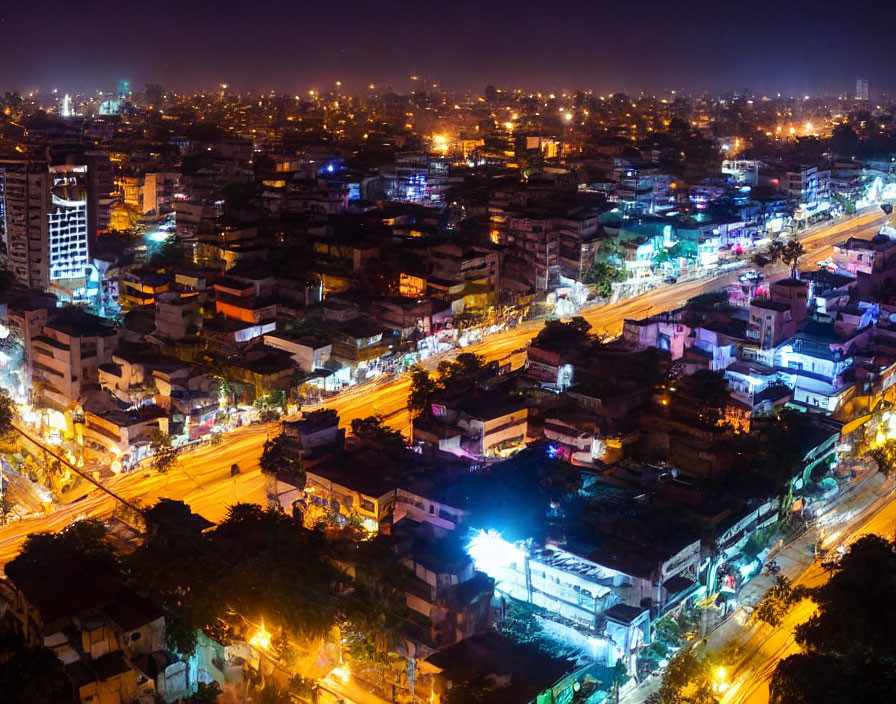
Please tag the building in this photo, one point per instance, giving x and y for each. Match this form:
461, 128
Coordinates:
807, 186
476, 425
310, 353
557, 580
44, 224
444, 587
66, 355
863, 91
741, 172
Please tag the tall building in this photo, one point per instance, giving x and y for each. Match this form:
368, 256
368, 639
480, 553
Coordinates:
43, 222
862, 89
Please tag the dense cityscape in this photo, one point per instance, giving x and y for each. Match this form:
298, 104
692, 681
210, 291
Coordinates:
416, 395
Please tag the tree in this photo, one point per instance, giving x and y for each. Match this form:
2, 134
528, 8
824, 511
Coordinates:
778, 601
602, 276
458, 375
793, 252
373, 434
885, 457
563, 334
850, 634
466, 694
790, 253
33, 675
423, 386
8, 413
204, 694
78, 559
468, 319
846, 202
277, 572
176, 568
462, 373
685, 681
281, 460
844, 140
164, 453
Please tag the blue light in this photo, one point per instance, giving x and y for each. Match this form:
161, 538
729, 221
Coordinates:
330, 168
489, 551
552, 451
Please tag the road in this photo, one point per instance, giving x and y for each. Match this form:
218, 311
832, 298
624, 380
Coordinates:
762, 647
202, 477
387, 397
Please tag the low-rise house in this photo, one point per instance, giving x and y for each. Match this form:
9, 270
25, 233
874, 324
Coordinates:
661, 575
581, 440
138, 289
665, 332
771, 322
122, 436
315, 437
177, 316
341, 495
247, 301
445, 587
65, 356
566, 584
360, 343
486, 426
869, 257
309, 352
509, 672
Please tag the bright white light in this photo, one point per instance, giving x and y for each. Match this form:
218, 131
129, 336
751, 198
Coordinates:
157, 236
489, 550
262, 638
341, 673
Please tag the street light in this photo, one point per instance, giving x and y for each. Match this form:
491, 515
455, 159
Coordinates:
262, 638
720, 684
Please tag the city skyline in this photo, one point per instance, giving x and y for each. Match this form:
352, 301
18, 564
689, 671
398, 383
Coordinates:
692, 48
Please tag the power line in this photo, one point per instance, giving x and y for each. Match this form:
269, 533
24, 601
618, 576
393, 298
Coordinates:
77, 471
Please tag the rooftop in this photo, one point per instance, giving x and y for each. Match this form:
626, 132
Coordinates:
482, 659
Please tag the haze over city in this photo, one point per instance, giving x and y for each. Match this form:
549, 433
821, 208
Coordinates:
653, 46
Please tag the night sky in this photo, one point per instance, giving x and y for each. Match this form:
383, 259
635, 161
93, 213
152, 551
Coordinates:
792, 47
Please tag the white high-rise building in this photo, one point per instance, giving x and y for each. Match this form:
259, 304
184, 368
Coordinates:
862, 89
68, 222
43, 221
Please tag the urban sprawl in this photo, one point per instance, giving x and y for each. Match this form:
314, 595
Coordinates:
435, 398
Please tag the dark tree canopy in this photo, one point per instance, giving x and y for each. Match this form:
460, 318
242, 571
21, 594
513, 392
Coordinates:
562, 334
850, 634
281, 460
29, 674
372, 433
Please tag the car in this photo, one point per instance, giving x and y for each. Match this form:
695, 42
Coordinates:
751, 277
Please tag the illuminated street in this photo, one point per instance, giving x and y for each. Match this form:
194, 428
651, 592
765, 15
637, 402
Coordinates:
763, 646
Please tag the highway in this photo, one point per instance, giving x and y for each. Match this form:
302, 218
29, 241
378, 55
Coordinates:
202, 478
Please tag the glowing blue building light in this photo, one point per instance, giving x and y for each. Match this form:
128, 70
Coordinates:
489, 550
